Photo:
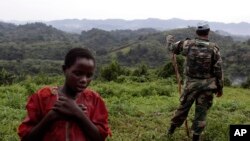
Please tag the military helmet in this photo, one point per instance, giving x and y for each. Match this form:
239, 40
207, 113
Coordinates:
203, 26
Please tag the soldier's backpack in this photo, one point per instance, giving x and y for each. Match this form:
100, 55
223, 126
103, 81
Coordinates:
200, 59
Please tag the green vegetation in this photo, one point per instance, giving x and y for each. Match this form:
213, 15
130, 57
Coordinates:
137, 110
30, 48
134, 75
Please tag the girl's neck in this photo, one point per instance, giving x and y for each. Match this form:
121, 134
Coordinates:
68, 92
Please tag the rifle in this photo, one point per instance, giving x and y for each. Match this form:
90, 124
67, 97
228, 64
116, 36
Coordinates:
177, 74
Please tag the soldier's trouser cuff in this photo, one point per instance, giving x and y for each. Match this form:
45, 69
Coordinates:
197, 130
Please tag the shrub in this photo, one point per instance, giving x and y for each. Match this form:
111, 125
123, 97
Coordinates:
141, 70
112, 71
166, 71
6, 78
246, 84
227, 81
168, 68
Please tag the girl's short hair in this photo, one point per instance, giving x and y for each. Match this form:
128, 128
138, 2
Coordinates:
75, 53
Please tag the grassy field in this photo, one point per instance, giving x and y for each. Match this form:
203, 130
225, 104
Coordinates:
137, 111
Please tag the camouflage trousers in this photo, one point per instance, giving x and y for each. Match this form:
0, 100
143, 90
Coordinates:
203, 101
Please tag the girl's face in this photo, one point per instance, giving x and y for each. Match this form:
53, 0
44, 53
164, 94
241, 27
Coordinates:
79, 75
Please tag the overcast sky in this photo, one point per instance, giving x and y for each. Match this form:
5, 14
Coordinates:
230, 11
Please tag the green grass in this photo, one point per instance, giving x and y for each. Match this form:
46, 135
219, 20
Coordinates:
137, 111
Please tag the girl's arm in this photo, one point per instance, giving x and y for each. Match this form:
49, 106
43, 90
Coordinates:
38, 131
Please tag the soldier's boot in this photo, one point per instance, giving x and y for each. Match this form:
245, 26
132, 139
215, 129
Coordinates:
171, 130
196, 137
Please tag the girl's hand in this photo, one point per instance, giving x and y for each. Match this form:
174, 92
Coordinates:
84, 108
52, 115
68, 107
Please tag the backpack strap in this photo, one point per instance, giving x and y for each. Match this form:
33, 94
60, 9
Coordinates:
187, 44
191, 43
211, 45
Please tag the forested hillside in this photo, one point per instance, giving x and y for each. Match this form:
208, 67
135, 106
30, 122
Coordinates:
30, 48
134, 76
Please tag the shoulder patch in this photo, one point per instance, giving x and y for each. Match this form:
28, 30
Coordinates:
191, 42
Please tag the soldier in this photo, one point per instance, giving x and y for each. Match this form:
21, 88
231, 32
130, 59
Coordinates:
204, 77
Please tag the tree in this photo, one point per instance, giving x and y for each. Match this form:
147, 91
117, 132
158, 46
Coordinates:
112, 71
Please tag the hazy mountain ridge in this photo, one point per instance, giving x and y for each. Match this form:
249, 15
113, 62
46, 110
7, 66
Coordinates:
76, 26
38, 41
31, 32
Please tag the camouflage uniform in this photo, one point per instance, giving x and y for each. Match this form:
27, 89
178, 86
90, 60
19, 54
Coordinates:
203, 71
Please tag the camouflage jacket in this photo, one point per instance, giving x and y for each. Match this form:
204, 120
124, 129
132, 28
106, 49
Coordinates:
203, 60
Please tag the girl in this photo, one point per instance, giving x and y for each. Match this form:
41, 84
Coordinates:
70, 112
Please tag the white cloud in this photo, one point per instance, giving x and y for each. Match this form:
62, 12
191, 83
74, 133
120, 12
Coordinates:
210, 10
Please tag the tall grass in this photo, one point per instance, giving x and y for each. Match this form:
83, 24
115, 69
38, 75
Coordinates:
137, 111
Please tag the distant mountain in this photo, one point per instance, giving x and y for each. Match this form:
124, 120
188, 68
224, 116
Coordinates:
76, 26
6, 27
31, 32
37, 41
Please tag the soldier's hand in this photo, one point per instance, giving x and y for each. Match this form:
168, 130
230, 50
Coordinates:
219, 94
170, 39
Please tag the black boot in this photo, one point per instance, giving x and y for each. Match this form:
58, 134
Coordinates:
171, 129
196, 137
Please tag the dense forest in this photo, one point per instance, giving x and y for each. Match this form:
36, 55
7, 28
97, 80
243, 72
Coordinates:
36, 48
134, 75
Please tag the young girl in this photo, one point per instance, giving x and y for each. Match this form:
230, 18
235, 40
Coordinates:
70, 112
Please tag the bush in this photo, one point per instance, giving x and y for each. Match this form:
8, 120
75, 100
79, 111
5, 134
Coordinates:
139, 79
6, 78
227, 81
166, 71
141, 70
168, 68
246, 84
112, 71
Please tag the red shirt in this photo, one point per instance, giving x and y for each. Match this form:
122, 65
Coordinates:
40, 103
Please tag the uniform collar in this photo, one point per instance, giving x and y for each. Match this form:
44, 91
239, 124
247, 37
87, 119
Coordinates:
199, 38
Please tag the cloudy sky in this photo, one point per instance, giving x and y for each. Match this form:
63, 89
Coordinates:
230, 11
